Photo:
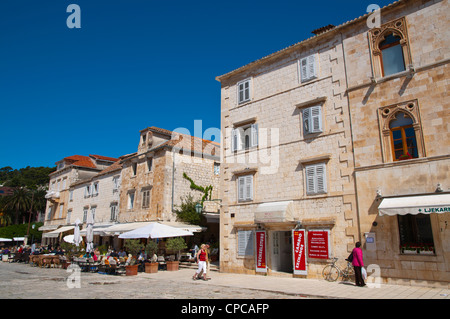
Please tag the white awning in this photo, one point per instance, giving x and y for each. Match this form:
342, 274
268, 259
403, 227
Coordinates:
274, 212
118, 229
423, 204
55, 233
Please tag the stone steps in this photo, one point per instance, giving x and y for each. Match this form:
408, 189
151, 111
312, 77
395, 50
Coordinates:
194, 266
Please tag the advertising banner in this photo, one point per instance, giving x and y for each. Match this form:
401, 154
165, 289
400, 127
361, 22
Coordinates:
318, 244
261, 262
299, 252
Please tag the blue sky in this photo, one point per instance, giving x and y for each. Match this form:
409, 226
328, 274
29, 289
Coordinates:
131, 65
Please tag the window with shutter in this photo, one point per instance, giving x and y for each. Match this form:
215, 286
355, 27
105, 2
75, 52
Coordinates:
243, 91
316, 182
312, 119
245, 243
245, 188
308, 68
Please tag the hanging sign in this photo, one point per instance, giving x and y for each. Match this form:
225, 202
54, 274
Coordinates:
299, 252
318, 244
261, 262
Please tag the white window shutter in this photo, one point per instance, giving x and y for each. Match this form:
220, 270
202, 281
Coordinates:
312, 66
304, 69
321, 178
316, 117
240, 92
307, 120
247, 90
234, 140
241, 188
249, 187
310, 179
254, 135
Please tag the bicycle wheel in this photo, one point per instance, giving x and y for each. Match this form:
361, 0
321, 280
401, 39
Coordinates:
330, 273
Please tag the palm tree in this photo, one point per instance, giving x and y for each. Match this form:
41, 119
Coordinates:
19, 201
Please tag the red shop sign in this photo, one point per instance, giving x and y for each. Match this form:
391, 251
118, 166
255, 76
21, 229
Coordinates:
261, 264
318, 244
299, 252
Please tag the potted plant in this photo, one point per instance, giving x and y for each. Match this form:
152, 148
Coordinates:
133, 247
408, 249
175, 244
151, 248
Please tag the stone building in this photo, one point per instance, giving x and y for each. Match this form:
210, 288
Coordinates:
70, 170
318, 135
287, 157
98, 196
153, 185
398, 83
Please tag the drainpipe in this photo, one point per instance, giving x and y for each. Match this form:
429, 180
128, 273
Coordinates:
173, 176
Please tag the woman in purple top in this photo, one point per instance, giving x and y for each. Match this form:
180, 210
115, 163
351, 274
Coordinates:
357, 263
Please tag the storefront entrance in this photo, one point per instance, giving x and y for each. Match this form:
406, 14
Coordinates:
281, 251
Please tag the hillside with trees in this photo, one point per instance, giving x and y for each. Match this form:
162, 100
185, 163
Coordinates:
28, 198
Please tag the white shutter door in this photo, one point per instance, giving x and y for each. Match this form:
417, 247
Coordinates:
254, 135
307, 120
321, 178
316, 119
310, 179
241, 92
234, 140
247, 90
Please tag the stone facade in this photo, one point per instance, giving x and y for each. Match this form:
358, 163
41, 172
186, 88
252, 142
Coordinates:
153, 185
353, 142
70, 171
419, 92
280, 97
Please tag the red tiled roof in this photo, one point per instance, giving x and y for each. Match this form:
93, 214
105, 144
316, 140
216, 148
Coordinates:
105, 158
80, 160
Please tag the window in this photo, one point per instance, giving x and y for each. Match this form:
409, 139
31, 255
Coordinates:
85, 212
130, 200
64, 183
243, 91
392, 60
87, 191
216, 168
415, 232
149, 164
114, 212
93, 212
245, 188
145, 198
71, 195
95, 189
245, 242
61, 209
69, 214
116, 183
308, 68
403, 137
316, 179
49, 213
244, 137
389, 47
312, 119
134, 168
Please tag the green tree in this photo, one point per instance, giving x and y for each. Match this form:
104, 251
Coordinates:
19, 201
187, 213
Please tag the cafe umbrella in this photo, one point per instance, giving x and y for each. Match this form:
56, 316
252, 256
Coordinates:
90, 233
155, 230
76, 233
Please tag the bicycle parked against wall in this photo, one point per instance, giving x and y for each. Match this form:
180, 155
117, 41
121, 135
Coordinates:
332, 271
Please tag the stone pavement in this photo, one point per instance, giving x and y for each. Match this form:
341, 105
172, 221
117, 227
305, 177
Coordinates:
19, 280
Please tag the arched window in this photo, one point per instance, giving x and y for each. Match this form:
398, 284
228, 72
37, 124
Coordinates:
403, 137
392, 59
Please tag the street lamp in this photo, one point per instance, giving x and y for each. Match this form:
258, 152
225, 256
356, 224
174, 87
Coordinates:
198, 208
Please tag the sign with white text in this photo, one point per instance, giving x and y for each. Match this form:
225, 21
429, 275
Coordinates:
261, 262
299, 252
318, 244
